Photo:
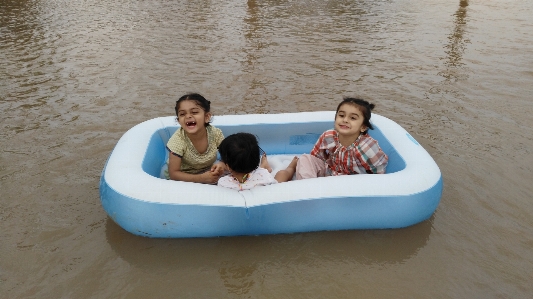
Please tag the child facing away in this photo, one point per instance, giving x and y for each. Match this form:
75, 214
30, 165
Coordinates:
347, 149
247, 167
193, 147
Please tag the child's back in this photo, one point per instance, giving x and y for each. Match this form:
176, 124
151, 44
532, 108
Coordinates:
248, 169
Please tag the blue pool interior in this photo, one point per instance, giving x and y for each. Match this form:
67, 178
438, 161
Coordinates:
274, 139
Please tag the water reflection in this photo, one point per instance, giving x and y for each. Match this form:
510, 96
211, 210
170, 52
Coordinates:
252, 33
14, 18
293, 47
243, 261
456, 46
229, 254
20, 36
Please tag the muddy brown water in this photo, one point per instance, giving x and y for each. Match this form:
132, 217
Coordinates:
75, 75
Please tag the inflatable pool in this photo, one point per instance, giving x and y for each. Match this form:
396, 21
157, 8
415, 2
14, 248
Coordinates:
137, 199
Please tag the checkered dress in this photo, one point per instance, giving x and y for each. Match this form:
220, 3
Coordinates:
362, 156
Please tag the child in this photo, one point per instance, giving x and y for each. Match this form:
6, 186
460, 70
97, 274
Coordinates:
193, 148
241, 154
348, 149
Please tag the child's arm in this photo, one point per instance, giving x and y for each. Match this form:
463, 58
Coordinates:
175, 173
376, 160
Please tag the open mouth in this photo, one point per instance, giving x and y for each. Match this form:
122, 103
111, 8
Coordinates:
190, 124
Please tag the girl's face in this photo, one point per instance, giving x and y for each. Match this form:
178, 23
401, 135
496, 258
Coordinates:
349, 121
192, 117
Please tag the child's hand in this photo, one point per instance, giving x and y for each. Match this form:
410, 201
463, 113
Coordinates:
210, 177
218, 168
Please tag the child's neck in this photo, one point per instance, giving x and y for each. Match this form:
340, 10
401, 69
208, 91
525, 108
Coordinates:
239, 176
347, 140
201, 133
199, 140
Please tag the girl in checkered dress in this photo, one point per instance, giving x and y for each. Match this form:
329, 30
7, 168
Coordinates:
348, 148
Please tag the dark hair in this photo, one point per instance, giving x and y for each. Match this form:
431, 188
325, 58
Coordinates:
198, 99
241, 152
366, 109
